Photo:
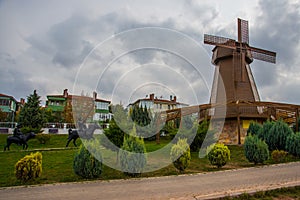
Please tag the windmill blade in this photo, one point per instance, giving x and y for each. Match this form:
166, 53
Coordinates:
219, 41
243, 31
264, 55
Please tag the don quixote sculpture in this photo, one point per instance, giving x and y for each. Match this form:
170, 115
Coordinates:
18, 138
83, 132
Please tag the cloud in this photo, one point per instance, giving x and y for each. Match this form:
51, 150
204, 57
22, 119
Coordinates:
44, 50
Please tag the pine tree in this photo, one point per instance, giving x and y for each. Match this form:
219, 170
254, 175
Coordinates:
31, 115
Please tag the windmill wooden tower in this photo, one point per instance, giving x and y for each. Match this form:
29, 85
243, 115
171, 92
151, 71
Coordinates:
231, 59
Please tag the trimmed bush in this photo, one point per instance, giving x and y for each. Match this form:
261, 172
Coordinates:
181, 155
43, 138
256, 150
29, 167
279, 156
277, 136
218, 155
85, 164
254, 128
132, 155
293, 144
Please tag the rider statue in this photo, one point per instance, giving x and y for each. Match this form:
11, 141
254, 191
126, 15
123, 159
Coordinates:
17, 133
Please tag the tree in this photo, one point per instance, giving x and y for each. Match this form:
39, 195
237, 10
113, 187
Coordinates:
293, 144
277, 136
85, 164
181, 155
256, 150
31, 115
254, 128
67, 113
3, 116
114, 133
133, 154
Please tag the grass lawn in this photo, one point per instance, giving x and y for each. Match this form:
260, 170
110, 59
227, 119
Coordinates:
282, 193
58, 162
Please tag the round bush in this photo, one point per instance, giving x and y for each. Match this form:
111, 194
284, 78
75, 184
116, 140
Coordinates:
43, 138
218, 155
293, 144
256, 150
132, 155
29, 167
279, 156
85, 164
180, 155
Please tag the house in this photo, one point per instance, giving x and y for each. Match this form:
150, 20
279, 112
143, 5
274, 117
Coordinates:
157, 104
59, 103
9, 106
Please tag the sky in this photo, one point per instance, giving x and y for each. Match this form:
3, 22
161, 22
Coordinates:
125, 50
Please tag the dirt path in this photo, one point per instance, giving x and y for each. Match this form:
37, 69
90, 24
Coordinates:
197, 186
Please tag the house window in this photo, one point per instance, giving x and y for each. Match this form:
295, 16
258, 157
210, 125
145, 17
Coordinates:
4, 102
160, 106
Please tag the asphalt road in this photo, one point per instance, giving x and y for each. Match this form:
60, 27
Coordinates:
197, 186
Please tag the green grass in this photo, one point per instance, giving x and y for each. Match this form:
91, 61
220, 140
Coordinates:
282, 193
58, 163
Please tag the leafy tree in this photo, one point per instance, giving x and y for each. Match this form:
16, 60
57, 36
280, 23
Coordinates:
53, 116
133, 154
181, 155
67, 114
3, 116
32, 115
202, 133
256, 150
114, 137
116, 130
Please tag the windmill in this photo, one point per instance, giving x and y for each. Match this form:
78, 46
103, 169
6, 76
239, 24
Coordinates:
232, 59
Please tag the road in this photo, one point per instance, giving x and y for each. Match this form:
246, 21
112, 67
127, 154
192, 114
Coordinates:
196, 186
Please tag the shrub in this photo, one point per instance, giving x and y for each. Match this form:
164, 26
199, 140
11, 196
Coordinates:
85, 164
254, 128
256, 150
293, 144
43, 138
27, 129
265, 131
276, 137
29, 167
279, 156
132, 154
218, 155
180, 155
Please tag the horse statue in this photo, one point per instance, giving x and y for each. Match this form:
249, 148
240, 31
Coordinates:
83, 132
19, 140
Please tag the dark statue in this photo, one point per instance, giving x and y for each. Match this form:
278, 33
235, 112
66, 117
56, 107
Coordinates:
19, 140
82, 132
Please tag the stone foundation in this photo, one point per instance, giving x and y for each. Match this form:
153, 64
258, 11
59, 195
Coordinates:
229, 133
